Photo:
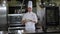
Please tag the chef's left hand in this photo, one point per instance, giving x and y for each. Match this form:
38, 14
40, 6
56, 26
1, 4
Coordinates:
33, 21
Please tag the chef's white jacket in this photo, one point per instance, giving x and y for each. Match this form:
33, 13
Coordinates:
30, 26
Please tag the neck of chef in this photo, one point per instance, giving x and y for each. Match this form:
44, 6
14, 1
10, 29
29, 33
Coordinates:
29, 11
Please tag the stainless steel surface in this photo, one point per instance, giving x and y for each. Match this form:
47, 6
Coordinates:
16, 31
4, 3
3, 32
16, 24
3, 15
15, 14
15, 18
16, 27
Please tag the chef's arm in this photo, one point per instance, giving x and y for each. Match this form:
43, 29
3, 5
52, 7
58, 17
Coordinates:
23, 20
35, 19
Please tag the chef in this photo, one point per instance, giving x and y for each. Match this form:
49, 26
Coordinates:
30, 19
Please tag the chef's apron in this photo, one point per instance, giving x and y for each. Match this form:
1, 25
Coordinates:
30, 27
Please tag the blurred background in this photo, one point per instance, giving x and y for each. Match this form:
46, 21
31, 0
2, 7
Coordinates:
11, 12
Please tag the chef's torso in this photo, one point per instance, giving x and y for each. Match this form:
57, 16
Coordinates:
30, 16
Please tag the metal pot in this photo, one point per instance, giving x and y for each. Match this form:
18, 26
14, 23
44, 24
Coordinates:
3, 32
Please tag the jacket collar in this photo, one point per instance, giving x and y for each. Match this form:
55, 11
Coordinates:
30, 12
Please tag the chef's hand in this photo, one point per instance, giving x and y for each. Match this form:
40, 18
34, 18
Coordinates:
32, 21
24, 21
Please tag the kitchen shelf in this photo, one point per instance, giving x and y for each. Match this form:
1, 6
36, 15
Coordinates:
17, 25
15, 14
15, 28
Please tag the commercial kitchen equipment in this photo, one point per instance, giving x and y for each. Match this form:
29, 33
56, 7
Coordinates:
51, 17
15, 24
14, 18
3, 15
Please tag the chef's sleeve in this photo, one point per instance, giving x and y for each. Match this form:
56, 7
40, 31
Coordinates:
35, 18
23, 18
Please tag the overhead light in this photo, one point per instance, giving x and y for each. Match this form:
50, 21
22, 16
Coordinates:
50, 4
4, 1
44, 3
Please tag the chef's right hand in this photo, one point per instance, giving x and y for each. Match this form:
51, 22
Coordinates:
25, 21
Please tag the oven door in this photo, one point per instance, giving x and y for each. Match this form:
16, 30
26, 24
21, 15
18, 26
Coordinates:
52, 16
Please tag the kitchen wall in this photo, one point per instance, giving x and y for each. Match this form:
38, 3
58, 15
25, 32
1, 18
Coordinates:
57, 1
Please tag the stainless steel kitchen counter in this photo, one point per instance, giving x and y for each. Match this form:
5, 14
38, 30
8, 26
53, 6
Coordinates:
15, 14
